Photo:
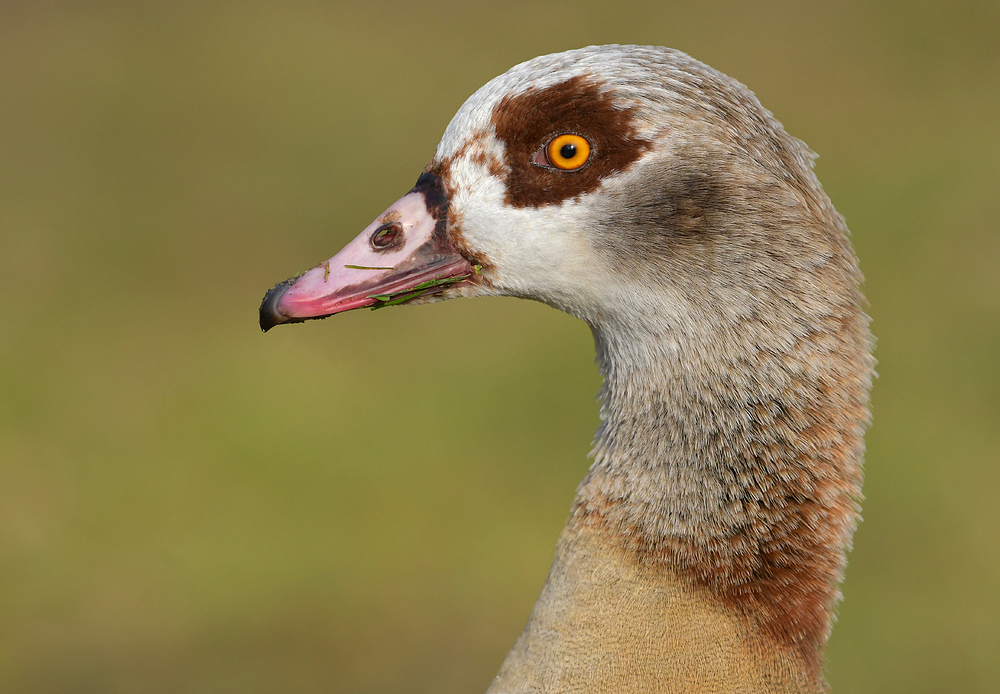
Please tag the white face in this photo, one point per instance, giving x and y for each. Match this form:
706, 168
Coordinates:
539, 253
544, 250
684, 219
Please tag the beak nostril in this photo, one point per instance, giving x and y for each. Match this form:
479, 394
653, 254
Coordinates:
385, 235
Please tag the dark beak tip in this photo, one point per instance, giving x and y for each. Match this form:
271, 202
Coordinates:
270, 316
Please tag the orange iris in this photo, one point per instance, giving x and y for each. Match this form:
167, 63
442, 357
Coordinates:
568, 152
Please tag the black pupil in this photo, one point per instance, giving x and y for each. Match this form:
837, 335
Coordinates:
567, 151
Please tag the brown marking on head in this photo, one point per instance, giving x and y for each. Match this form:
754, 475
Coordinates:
480, 157
527, 121
474, 149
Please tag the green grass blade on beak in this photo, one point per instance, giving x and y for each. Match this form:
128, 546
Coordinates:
383, 300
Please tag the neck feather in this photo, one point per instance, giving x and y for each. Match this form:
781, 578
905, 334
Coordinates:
737, 466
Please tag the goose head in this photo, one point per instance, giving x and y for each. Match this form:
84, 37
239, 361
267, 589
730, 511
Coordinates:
655, 198
685, 209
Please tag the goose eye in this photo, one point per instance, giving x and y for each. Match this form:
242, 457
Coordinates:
567, 152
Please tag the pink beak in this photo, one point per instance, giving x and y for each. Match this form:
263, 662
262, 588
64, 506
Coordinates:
403, 254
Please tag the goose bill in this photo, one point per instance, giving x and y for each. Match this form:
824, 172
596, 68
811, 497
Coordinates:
412, 257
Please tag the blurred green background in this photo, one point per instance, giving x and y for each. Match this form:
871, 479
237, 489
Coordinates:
370, 504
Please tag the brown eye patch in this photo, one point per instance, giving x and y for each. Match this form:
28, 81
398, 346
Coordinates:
527, 121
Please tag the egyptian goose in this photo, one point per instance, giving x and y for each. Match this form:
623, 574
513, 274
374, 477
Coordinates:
656, 199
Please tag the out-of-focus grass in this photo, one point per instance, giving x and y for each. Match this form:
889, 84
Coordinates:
370, 503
